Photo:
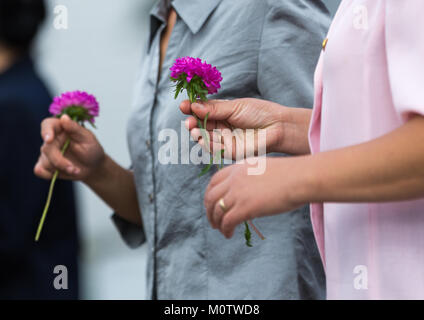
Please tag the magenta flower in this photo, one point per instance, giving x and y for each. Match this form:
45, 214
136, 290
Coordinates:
80, 106
196, 76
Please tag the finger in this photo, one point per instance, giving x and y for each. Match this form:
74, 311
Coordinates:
42, 173
58, 161
219, 177
76, 132
227, 140
196, 134
219, 212
191, 123
211, 201
217, 109
230, 221
50, 127
46, 164
185, 107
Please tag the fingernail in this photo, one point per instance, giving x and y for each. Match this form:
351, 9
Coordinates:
77, 171
47, 137
186, 124
70, 170
198, 106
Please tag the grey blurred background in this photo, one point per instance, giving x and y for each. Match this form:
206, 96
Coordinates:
100, 52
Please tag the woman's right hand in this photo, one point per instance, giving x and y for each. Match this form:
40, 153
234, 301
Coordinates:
284, 129
83, 158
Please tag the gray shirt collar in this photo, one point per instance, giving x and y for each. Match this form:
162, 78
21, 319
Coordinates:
193, 12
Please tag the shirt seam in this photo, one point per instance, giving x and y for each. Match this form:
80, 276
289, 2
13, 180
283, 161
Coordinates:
266, 11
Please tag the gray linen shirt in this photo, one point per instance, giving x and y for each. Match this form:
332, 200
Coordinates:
265, 49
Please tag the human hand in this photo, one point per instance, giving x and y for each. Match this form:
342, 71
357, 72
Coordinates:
82, 159
234, 118
246, 197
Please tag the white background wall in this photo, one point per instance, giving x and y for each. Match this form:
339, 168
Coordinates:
99, 53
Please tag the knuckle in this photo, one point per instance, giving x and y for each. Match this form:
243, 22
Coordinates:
43, 149
55, 162
48, 123
37, 170
208, 199
44, 123
226, 223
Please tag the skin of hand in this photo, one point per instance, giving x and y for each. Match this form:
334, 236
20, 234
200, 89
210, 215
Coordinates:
359, 173
83, 158
286, 129
86, 161
247, 197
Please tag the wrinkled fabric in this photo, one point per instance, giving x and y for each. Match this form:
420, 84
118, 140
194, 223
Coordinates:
264, 49
369, 82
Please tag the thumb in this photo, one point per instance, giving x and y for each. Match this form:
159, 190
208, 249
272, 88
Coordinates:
218, 109
72, 128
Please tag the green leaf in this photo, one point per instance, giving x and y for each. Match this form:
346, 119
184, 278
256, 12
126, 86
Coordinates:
178, 89
203, 97
218, 158
205, 134
247, 235
205, 121
222, 159
206, 169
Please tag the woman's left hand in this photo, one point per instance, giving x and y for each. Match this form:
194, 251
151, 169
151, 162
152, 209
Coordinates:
235, 195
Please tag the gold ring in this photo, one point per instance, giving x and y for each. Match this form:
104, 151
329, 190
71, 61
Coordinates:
222, 204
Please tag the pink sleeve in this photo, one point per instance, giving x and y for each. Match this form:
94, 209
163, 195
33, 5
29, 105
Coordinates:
405, 55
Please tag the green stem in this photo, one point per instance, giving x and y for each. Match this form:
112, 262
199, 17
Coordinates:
49, 196
220, 166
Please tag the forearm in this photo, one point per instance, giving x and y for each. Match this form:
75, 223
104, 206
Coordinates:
294, 130
116, 186
389, 168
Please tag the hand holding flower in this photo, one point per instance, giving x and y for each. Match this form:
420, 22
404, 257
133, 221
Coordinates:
83, 156
286, 128
80, 107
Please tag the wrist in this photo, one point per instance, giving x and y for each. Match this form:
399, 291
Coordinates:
305, 183
293, 130
100, 173
283, 119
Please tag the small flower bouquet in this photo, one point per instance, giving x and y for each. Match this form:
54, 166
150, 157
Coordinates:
80, 107
199, 79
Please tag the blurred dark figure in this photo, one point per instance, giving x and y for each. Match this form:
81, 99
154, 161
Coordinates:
26, 267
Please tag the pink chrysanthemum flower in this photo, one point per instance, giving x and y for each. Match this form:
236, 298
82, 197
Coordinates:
80, 106
196, 76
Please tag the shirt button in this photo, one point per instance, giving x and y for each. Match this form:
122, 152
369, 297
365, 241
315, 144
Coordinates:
148, 143
151, 197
